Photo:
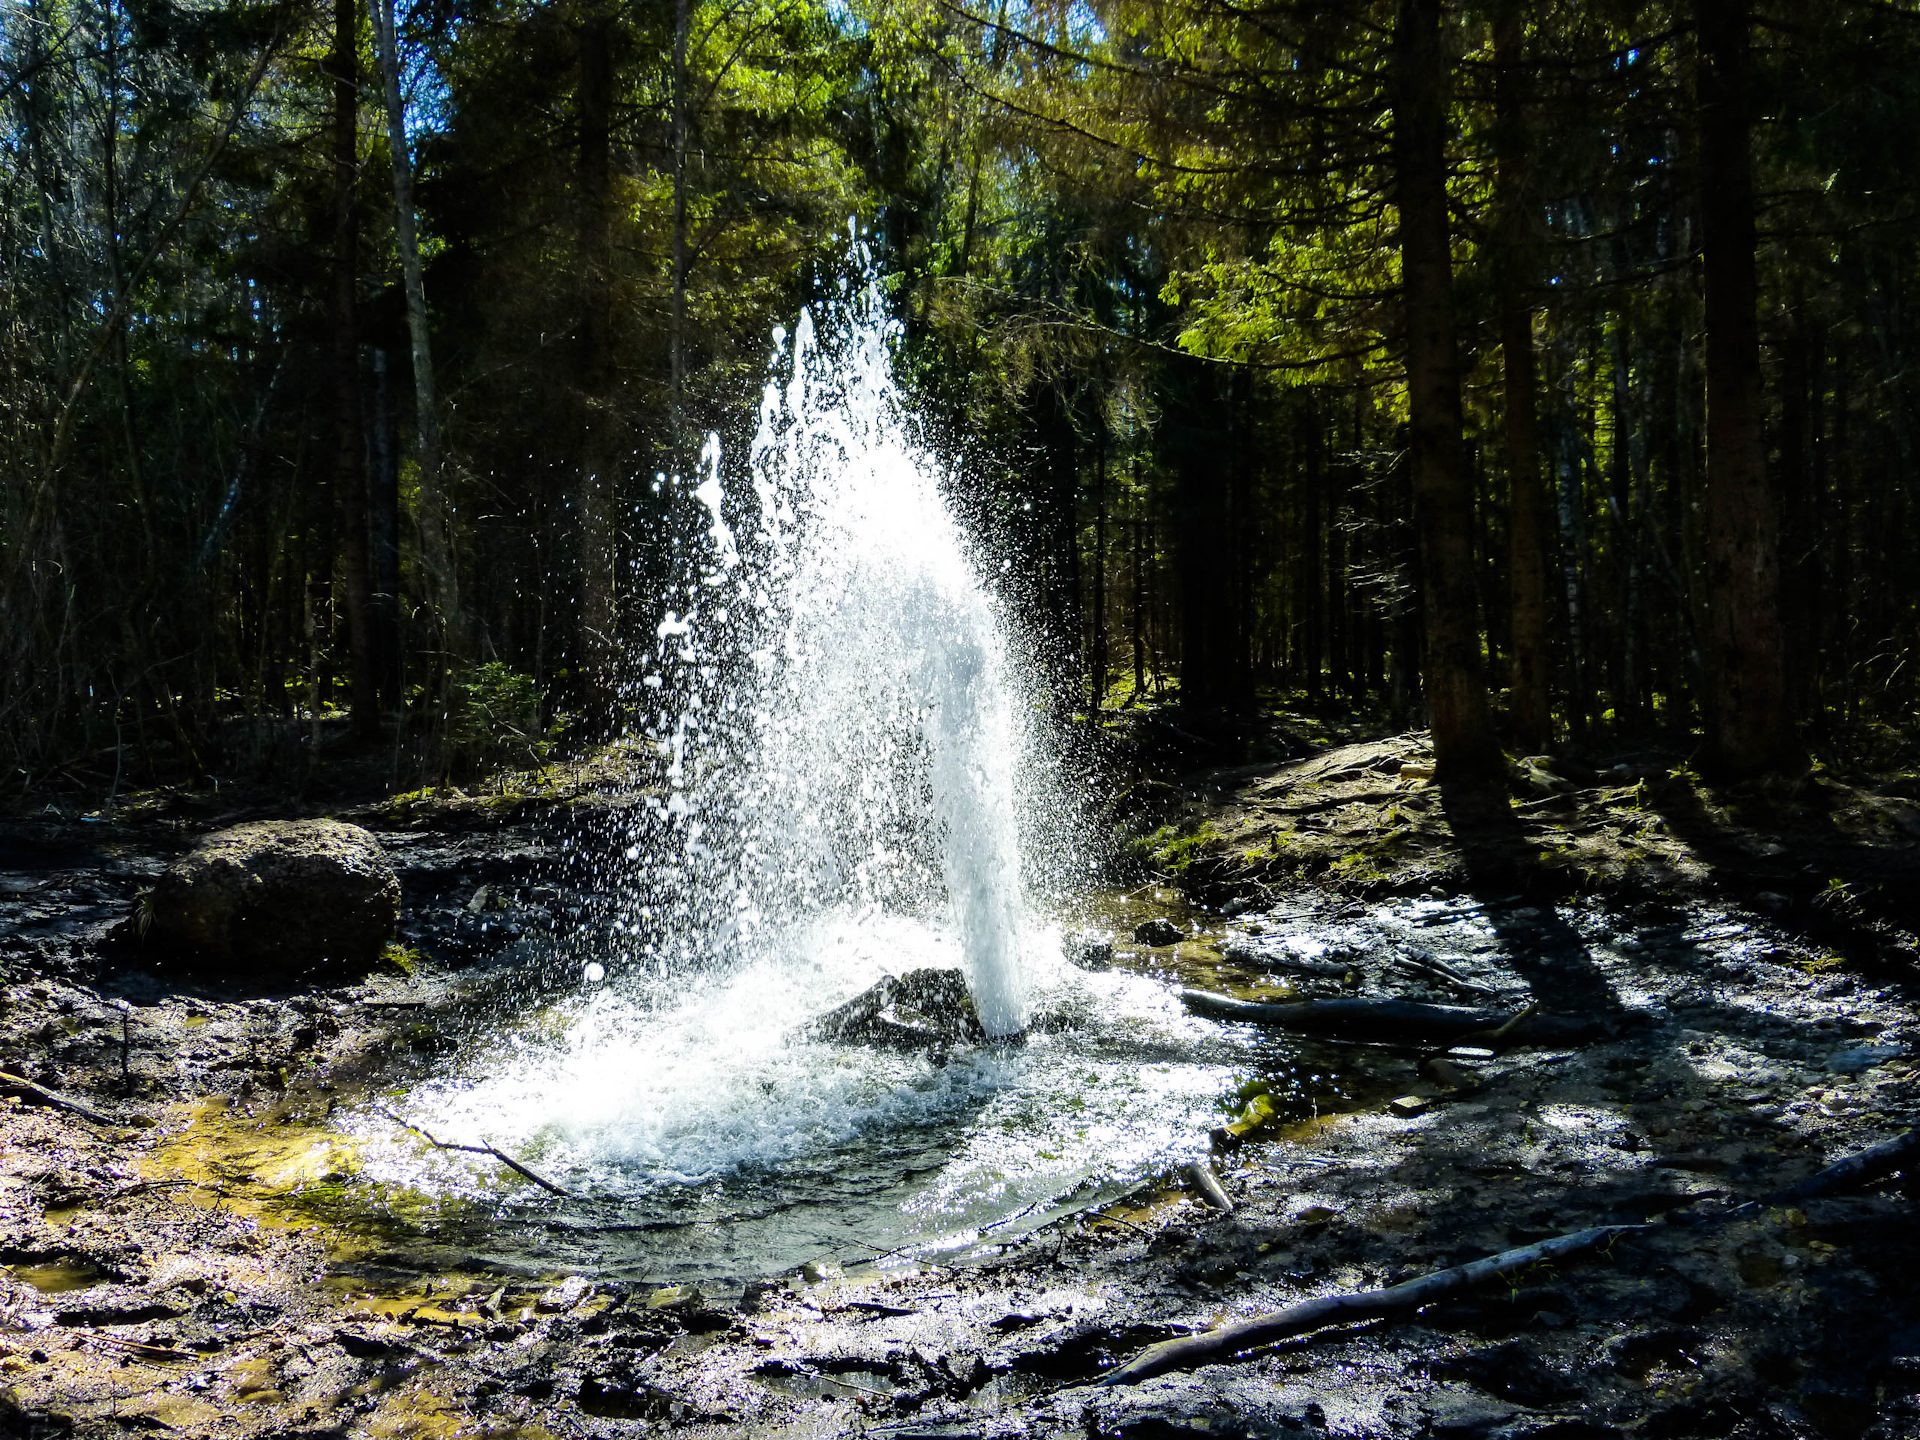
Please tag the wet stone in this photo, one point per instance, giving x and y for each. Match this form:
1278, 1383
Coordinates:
1158, 932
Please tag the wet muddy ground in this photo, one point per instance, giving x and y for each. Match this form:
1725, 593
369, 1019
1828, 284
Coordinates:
178, 1260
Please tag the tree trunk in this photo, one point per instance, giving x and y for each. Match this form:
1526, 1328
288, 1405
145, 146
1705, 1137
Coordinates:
599, 638
678, 357
1312, 558
443, 582
1749, 728
1465, 753
1203, 536
383, 516
1137, 611
1056, 532
1529, 523
1799, 580
1097, 650
350, 443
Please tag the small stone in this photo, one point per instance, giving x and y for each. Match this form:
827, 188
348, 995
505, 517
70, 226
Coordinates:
754, 1298
1158, 932
1087, 950
564, 1296
1408, 1106
676, 1297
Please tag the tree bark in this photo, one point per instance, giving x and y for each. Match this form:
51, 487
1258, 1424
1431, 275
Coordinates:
350, 443
1097, 656
1195, 411
1749, 726
678, 339
598, 641
436, 558
1465, 753
1312, 559
1529, 523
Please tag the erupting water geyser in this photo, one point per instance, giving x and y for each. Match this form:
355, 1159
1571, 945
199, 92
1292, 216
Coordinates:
833, 778
832, 691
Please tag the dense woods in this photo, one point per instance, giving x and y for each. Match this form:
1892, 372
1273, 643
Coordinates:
1536, 371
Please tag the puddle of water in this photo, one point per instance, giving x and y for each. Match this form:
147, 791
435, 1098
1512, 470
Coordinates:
59, 1276
718, 1147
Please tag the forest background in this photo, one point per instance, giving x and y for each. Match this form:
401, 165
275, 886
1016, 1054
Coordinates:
1540, 371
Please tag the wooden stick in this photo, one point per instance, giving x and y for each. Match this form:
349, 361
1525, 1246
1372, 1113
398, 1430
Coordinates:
33, 1094
1189, 1350
1874, 1163
1095, 1217
498, 1154
1398, 1020
1208, 1184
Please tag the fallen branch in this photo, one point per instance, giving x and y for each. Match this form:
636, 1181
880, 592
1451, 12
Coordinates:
1855, 1171
1190, 1350
1876, 1162
33, 1094
1200, 1173
497, 1153
1399, 1020
1333, 802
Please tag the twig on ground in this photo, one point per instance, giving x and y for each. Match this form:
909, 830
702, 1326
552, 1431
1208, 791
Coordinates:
1097, 1216
140, 1350
11, 1084
493, 1150
1874, 1163
880, 1253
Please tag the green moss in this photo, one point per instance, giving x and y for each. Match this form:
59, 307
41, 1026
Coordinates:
403, 958
1171, 851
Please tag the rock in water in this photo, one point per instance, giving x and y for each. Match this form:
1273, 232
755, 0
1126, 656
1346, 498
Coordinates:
279, 898
1087, 950
1158, 932
920, 1010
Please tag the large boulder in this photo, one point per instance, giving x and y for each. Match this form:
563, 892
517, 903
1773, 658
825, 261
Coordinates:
279, 899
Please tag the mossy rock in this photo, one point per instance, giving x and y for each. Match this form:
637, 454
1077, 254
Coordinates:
278, 900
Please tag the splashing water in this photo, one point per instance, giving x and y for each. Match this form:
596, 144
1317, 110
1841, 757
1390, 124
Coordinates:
832, 693
836, 777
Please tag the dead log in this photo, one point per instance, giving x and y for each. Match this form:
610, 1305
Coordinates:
920, 1010
1400, 1020
1187, 1351
1241, 951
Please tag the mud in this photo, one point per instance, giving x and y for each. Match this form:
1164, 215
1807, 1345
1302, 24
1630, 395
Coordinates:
189, 1267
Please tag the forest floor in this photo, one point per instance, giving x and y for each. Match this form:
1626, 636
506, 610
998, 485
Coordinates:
1748, 956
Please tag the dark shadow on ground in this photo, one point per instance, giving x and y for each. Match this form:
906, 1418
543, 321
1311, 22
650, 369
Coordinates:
1542, 947
1781, 845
